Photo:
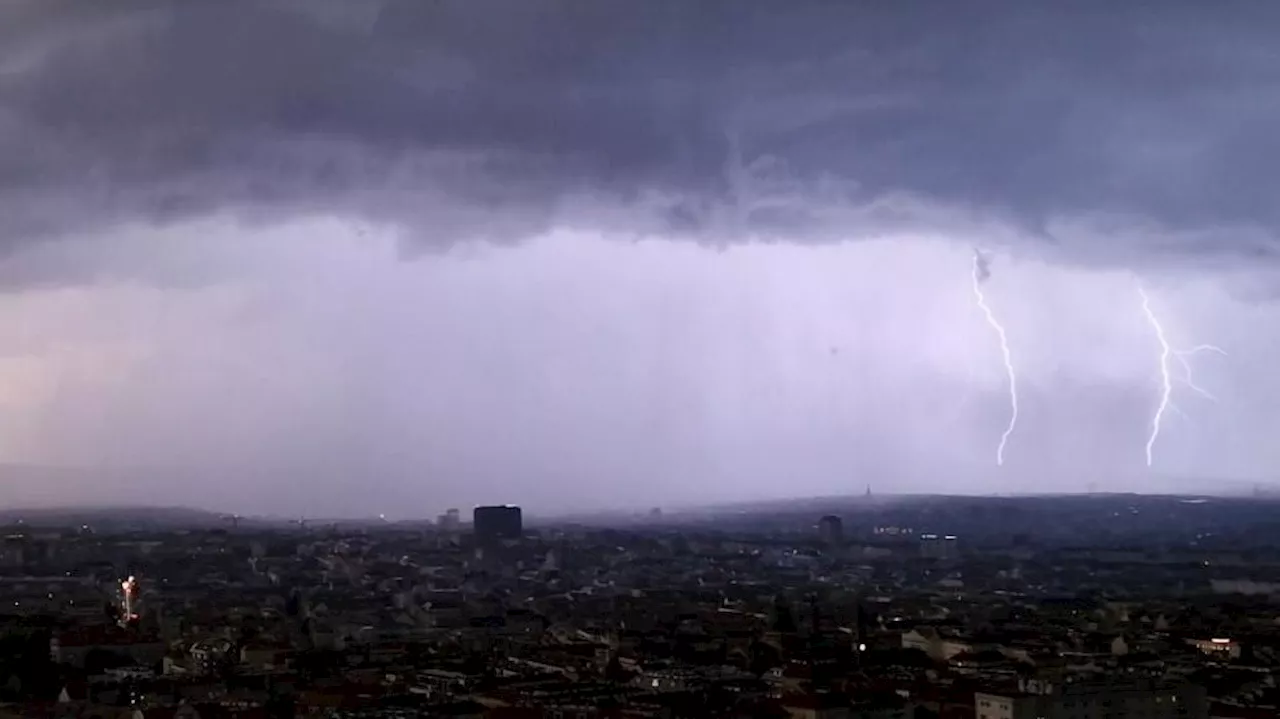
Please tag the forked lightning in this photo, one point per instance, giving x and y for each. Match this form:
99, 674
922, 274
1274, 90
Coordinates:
1167, 353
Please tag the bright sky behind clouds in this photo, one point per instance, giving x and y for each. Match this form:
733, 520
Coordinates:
320, 258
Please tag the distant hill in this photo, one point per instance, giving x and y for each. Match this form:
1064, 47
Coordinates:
103, 517
65, 496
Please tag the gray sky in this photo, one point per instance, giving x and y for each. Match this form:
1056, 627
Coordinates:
347, 258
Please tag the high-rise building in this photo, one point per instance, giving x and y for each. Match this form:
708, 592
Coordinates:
450, 521
494, 524
831, 529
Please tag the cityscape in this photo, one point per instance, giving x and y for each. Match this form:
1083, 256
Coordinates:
639, 359
907, 606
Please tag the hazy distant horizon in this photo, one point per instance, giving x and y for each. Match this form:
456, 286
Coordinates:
1222, 488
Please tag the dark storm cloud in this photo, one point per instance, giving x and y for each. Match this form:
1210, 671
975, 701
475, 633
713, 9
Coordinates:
481, 117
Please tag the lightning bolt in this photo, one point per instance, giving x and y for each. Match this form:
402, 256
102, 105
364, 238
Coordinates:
1166, 380
980, 273
1187, 376
1167, 355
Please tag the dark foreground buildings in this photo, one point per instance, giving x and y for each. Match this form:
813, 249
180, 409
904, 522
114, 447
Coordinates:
1059, 607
